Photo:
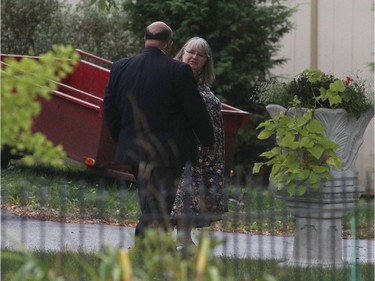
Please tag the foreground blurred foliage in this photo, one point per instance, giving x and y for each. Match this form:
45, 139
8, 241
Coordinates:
158, 259
23, 82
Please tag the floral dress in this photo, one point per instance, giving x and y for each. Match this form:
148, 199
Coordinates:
201, 191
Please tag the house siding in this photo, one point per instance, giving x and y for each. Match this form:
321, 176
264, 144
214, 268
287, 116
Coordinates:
344, 45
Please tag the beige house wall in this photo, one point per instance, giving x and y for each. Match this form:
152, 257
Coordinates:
336, 36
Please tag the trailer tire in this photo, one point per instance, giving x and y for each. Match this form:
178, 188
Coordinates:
5, 158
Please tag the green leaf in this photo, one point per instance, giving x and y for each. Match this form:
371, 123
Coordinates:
333, 98
314, 179
265, 134
257, 167
334, 161
306, 117
301, 190
337, 86
275, 169
316, 151
347, 96
323, 95
293, 189
288, 142
306, 142
315, 75
278, 184
328, 144
319, 169
271, 153
315, 126
291, 161
301, 175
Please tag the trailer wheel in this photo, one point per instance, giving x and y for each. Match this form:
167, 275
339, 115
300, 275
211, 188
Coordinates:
6, 156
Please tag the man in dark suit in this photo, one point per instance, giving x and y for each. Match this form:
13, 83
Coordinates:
155, 113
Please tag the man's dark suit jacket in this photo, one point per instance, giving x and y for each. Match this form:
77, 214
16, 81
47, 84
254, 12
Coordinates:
152, 105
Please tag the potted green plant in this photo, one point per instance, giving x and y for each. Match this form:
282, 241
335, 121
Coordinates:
305, 151
318, 121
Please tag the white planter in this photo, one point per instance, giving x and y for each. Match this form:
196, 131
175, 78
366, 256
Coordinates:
319, 214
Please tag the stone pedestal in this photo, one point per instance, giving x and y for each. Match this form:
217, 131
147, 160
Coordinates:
319, 212
318, 240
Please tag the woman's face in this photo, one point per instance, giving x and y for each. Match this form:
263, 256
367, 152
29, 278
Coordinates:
195, 58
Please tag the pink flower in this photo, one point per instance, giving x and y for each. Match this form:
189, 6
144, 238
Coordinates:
348, 80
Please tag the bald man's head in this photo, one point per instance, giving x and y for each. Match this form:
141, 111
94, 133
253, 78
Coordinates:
158, 31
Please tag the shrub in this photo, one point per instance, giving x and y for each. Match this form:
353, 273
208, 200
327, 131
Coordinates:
23, 82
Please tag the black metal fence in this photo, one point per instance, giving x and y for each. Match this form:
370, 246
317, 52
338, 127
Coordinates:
264, 234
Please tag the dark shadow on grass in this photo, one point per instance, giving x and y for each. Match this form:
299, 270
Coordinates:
69, 173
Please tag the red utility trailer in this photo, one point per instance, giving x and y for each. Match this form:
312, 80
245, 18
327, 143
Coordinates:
74, 118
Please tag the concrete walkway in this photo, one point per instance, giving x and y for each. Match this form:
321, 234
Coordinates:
46, 235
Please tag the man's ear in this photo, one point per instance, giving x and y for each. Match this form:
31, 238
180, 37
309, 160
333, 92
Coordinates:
169, 43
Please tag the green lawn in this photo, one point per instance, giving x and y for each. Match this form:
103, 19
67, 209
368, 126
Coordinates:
75, 194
